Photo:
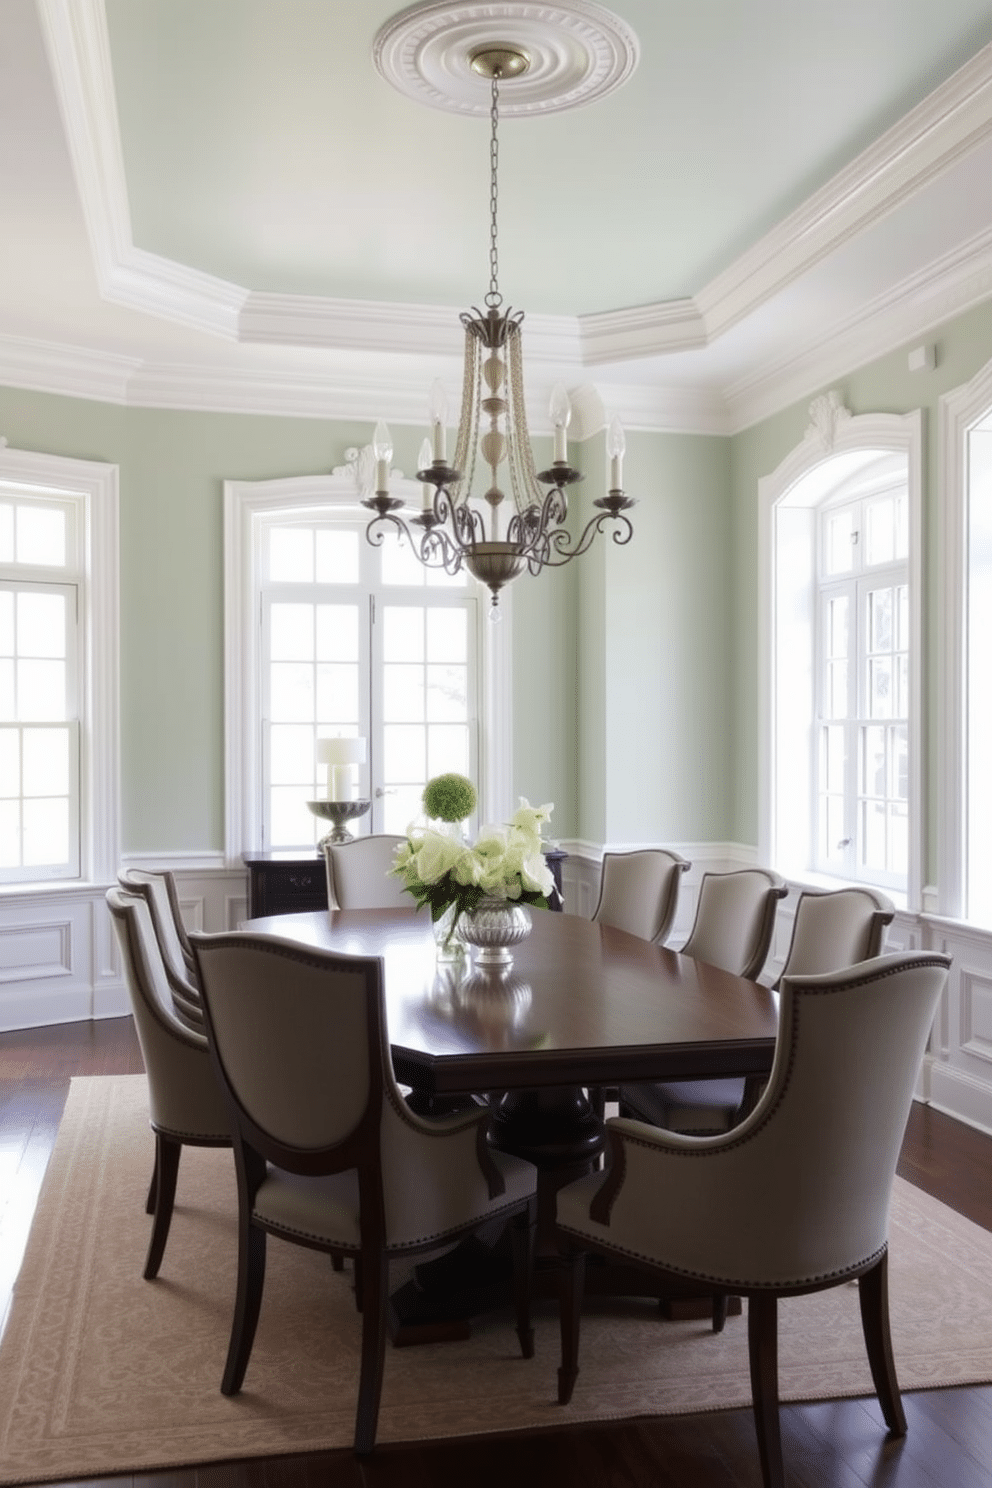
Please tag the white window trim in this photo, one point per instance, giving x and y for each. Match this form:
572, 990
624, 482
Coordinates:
243, 502
894, 433
959, 411
94, 487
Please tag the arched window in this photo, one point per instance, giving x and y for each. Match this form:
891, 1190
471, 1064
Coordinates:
840, 653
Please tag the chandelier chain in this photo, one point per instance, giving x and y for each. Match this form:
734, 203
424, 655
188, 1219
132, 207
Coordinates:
494, 298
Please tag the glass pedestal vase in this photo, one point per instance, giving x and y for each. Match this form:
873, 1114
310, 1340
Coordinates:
448, 942
493, 928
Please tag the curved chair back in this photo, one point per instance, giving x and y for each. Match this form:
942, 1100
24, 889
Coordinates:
837, 929
735, 917
639, 891
183, 1094
163, 905
358, 874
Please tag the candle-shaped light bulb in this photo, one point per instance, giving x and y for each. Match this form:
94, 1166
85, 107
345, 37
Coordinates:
382, 448
561, 413
616, 444
424, 460
439, 420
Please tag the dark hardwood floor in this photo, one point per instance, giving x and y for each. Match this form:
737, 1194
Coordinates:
828, 1445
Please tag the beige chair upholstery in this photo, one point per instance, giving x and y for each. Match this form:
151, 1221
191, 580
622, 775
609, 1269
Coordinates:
328, 1154
358, 874
793, 1200
735, 918
185, 1102
639, 891
837, 929
159, 892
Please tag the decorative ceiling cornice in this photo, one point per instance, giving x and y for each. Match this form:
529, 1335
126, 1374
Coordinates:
952, 121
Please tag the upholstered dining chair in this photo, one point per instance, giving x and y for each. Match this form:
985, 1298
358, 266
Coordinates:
185, 1102
358, 874
328, 1154
639, 891
732, 929
159, 892
837, 928
793, 1200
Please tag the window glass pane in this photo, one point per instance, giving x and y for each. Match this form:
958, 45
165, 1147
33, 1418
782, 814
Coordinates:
902, 526
898, 839
291, 555
837, 689
10, 834
403, 693
839, 547
405, 754
834, 756
41, 690
447, 635
291, 632
46, 762
873, 855
8, 705
337, 632
403, 633
837, 626
337, 693
6, 623
832, 828
41, 538
291, 692
401, 807
46, 832
6, 532
292, 755
881, 532
400, 565
438, 579
447, 749
10, 762
899, 752
291, 823
447, 693
336, 556
902, 624
880, 620
41, 624
874, 772
880, 687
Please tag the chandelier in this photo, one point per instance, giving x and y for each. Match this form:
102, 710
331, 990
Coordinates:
452, 531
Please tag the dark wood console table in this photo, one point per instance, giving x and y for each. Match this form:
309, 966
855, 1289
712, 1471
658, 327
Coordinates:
291, 882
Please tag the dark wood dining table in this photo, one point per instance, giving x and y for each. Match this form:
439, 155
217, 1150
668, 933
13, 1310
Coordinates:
583, 1006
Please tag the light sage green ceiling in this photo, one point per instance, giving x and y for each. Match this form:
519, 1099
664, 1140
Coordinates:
260, 145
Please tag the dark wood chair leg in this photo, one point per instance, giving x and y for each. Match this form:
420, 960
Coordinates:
873, 1293
337, 1260
251, 1280
522, 1234
358, 1283
153, 1185
719, 1312
762, 1340
573, 1274
167, 1154
375, 1280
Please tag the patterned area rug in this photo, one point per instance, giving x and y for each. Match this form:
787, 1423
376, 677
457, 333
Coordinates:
102, 1372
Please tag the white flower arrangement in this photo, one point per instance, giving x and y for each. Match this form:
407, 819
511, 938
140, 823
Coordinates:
505, 862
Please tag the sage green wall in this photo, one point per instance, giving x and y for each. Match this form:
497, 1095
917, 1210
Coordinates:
172, 469
655, 622
963, 346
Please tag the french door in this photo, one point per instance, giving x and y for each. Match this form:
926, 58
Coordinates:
359, 641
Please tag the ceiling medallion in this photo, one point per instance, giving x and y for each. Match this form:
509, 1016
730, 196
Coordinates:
575, 54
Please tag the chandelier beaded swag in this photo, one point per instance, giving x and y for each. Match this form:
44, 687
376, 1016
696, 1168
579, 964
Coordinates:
450, 532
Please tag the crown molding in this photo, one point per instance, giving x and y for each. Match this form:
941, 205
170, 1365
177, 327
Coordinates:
69, 371
949, 123
921, 303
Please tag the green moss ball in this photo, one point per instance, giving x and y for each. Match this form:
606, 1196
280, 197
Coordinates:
449, 798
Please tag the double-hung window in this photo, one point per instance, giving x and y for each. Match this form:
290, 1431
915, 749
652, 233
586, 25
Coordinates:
39, 688
862, 680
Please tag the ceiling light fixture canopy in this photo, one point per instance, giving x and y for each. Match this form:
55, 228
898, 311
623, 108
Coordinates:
450, 531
